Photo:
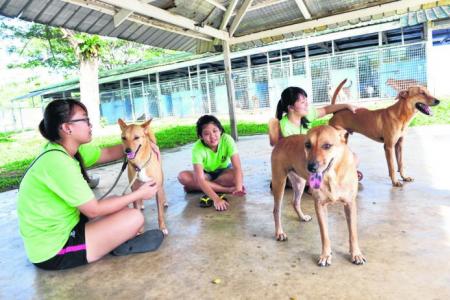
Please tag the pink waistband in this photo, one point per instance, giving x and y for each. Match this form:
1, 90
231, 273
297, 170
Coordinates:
72, 249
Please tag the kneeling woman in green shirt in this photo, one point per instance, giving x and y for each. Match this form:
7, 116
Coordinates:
61, 222
217, 167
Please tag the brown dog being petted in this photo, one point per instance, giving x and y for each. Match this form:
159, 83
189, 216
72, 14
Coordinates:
323, 158
388, 125
144, 163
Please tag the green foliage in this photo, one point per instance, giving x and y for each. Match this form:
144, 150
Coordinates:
9, 182
40, 45
5, 137
89, 46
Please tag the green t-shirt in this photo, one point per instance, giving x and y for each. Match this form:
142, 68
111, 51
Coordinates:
48, 198
288, 128
210, 160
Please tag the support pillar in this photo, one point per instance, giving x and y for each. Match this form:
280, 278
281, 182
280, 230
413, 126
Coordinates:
230, 89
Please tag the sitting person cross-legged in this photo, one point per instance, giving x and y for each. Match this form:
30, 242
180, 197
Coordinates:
217, 166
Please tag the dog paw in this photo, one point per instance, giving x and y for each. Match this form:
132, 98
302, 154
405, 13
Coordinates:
281, 237
397, 184
165, 231
407, 179
166, 204
358, 259
306, 218
324, 260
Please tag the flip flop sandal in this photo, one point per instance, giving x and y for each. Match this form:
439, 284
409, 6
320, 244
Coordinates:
360, 175
222, 196
146, 242
205, 201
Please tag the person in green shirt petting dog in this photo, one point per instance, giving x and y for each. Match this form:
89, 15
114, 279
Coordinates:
61, 222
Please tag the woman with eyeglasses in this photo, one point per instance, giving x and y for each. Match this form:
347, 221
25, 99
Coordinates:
61, 222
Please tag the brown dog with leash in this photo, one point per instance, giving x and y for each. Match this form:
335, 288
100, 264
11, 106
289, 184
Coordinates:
144, 163
388, 125
323, 157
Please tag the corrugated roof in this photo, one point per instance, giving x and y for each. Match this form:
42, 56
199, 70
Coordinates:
193, 25
423, 16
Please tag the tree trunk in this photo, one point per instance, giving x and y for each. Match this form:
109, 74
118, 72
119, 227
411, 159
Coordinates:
89, 90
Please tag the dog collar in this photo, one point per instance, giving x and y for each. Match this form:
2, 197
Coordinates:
137, 168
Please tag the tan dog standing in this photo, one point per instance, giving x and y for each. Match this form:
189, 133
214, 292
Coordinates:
323, 157
388, 125
144, 163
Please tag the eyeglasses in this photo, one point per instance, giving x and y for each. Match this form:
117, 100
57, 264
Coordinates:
88, 122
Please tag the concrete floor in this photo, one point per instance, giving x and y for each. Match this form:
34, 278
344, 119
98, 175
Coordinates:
404, 233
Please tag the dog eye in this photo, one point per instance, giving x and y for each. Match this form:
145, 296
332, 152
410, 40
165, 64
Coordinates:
123, 138
136, 138
308, 145
326, 146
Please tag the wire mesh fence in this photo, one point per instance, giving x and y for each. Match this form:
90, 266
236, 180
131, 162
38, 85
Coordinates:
374, 74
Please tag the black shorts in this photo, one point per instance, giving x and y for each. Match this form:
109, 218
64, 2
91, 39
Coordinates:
215, 174
73, 253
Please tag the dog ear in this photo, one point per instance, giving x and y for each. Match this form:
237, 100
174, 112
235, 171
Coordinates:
146, 123
149, 132
403, 94
122, 124
343, 134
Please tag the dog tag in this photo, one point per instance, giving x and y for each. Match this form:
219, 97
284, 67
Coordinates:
315, 180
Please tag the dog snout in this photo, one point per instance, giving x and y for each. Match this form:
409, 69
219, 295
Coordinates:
127, 150
313, 166
436, 102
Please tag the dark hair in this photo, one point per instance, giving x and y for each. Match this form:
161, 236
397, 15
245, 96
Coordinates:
56, 113
288, 97
208, 119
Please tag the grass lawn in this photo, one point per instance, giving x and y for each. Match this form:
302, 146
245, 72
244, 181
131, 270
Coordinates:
17, 150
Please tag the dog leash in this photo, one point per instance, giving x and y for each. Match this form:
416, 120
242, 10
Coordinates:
124, 165
138, 170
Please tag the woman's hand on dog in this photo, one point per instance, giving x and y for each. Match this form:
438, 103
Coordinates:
352, 108
148, 189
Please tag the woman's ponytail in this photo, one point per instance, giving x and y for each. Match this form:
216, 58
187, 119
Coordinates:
280, 110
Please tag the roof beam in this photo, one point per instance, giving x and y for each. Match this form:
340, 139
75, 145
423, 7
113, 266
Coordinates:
265, 4
324, 46
167, 17
240, 15
228, 14
123, 14
360, 13
305, 12
217, 4
109, 10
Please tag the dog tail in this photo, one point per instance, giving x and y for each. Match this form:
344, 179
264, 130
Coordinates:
274, 131
336, 92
